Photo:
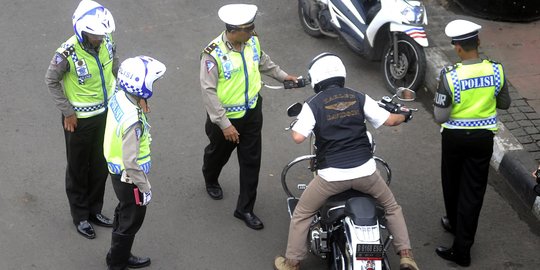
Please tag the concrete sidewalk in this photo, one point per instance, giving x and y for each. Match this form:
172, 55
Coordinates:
516, 46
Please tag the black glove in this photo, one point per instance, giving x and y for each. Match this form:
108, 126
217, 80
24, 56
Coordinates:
407, 113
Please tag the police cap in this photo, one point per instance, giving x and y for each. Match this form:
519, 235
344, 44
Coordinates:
460, 30
238, 14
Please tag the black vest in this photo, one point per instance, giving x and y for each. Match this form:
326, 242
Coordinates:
340, 128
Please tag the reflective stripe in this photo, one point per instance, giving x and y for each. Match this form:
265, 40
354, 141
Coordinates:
89, 108
116, 168
242, 107
146, 167
255, 53
226, 74
457, 85
497, 78
75, 60
457, 88
460, 123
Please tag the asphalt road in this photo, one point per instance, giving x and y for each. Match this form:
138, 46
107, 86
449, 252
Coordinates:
184, 228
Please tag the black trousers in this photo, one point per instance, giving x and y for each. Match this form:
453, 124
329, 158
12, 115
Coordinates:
128, 216
218, 152
128, 219
86, 171
464, 172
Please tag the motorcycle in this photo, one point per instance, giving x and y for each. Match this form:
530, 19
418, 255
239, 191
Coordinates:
349, 230
387, 30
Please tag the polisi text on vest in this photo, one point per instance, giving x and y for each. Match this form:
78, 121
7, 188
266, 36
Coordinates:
477, 82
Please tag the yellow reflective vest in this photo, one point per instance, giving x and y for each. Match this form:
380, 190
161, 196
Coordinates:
239, 79
474, 90
122, 115
90, 80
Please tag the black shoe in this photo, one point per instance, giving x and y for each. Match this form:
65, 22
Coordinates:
250, 219
445, 223
450, 255
133, 261
101, 220
86, 229
215, 192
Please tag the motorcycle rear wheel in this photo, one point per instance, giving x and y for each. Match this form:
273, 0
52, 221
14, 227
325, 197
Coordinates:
337, 259
410, 70
310, 26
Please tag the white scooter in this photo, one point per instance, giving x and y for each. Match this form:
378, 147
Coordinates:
390, 30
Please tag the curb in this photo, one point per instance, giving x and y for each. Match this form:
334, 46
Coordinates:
509, 157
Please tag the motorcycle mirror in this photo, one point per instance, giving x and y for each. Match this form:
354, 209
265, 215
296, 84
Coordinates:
405, 94
294, 109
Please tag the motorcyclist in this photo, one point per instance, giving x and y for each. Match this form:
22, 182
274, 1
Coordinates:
344, 159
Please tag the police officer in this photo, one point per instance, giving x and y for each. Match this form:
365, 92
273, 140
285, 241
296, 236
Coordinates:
127, 150
337, 115
230, 76
86, 63
468, 95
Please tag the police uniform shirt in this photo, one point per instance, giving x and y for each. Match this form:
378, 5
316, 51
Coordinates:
58, 66
209, 79
374, 114
443, 96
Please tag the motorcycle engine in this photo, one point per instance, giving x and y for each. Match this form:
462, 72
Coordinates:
318, 239
324, 20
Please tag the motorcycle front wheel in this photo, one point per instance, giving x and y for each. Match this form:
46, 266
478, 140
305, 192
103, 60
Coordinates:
311, 26
410, 69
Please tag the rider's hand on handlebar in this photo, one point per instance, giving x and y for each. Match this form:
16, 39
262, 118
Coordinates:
406, 112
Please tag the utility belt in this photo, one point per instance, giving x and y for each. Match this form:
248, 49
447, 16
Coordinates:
468, 132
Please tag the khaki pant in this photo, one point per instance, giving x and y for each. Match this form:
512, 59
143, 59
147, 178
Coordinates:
319, 190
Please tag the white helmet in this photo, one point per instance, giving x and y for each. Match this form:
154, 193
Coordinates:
137, 75
92, 18
325, 66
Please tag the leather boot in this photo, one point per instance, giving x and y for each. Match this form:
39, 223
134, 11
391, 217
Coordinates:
133, 261
120, 251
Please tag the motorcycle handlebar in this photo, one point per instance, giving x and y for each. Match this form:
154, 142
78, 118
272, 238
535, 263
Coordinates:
292, 84
393, 107
289, 84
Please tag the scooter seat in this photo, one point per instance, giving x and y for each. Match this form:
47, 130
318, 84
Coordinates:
372, 11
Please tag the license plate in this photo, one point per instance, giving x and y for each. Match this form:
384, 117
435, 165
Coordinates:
369, 251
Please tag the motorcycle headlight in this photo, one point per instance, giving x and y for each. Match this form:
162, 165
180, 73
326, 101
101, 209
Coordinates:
413, 12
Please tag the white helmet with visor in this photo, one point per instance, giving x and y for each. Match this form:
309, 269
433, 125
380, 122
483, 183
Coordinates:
92, 18
325, 66
137, 75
